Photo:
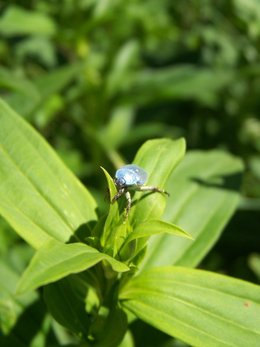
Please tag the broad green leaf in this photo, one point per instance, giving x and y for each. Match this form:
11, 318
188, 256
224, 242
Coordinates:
153, 227
18, 21
137, 238
198, 307
39, 196
159, 158
56, 260
204, 195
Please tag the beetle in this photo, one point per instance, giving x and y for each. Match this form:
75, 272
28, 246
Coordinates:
132, 177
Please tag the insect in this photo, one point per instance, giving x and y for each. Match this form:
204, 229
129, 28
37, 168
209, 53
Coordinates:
132, 177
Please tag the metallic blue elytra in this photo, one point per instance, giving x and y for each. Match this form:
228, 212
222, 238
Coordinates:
130, 175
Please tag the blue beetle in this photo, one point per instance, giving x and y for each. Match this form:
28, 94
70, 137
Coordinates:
132, 177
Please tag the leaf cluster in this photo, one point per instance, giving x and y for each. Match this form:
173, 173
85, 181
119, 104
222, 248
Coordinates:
89, 278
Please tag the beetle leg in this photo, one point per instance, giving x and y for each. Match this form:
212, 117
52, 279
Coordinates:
129, 203
120, 192
152, 189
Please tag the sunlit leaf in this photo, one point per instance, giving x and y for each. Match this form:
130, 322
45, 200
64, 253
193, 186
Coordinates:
154, 227
199, 307
115, 225
56, 260
39, 196
159, 158
204, 195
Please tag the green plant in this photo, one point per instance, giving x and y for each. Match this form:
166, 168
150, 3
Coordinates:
96, 271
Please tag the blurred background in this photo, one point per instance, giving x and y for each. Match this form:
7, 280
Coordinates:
98, 78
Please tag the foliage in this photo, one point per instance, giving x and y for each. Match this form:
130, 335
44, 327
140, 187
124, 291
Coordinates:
98, 79
96, 267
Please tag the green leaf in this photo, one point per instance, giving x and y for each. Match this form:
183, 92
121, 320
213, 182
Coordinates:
68, 300
254, 263
39, 196
40, 47
18, 21
121, 70
20, 314
154, 227
10, 81
115, 225
137, 238
109, 136
204, 195
65, 300
151, 86
56, 260
113, 329
12, 305
198, 307
128, 340
54, 81
159, 158
43, 88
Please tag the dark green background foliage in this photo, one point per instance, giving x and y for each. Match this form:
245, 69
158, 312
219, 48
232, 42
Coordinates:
98, 78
